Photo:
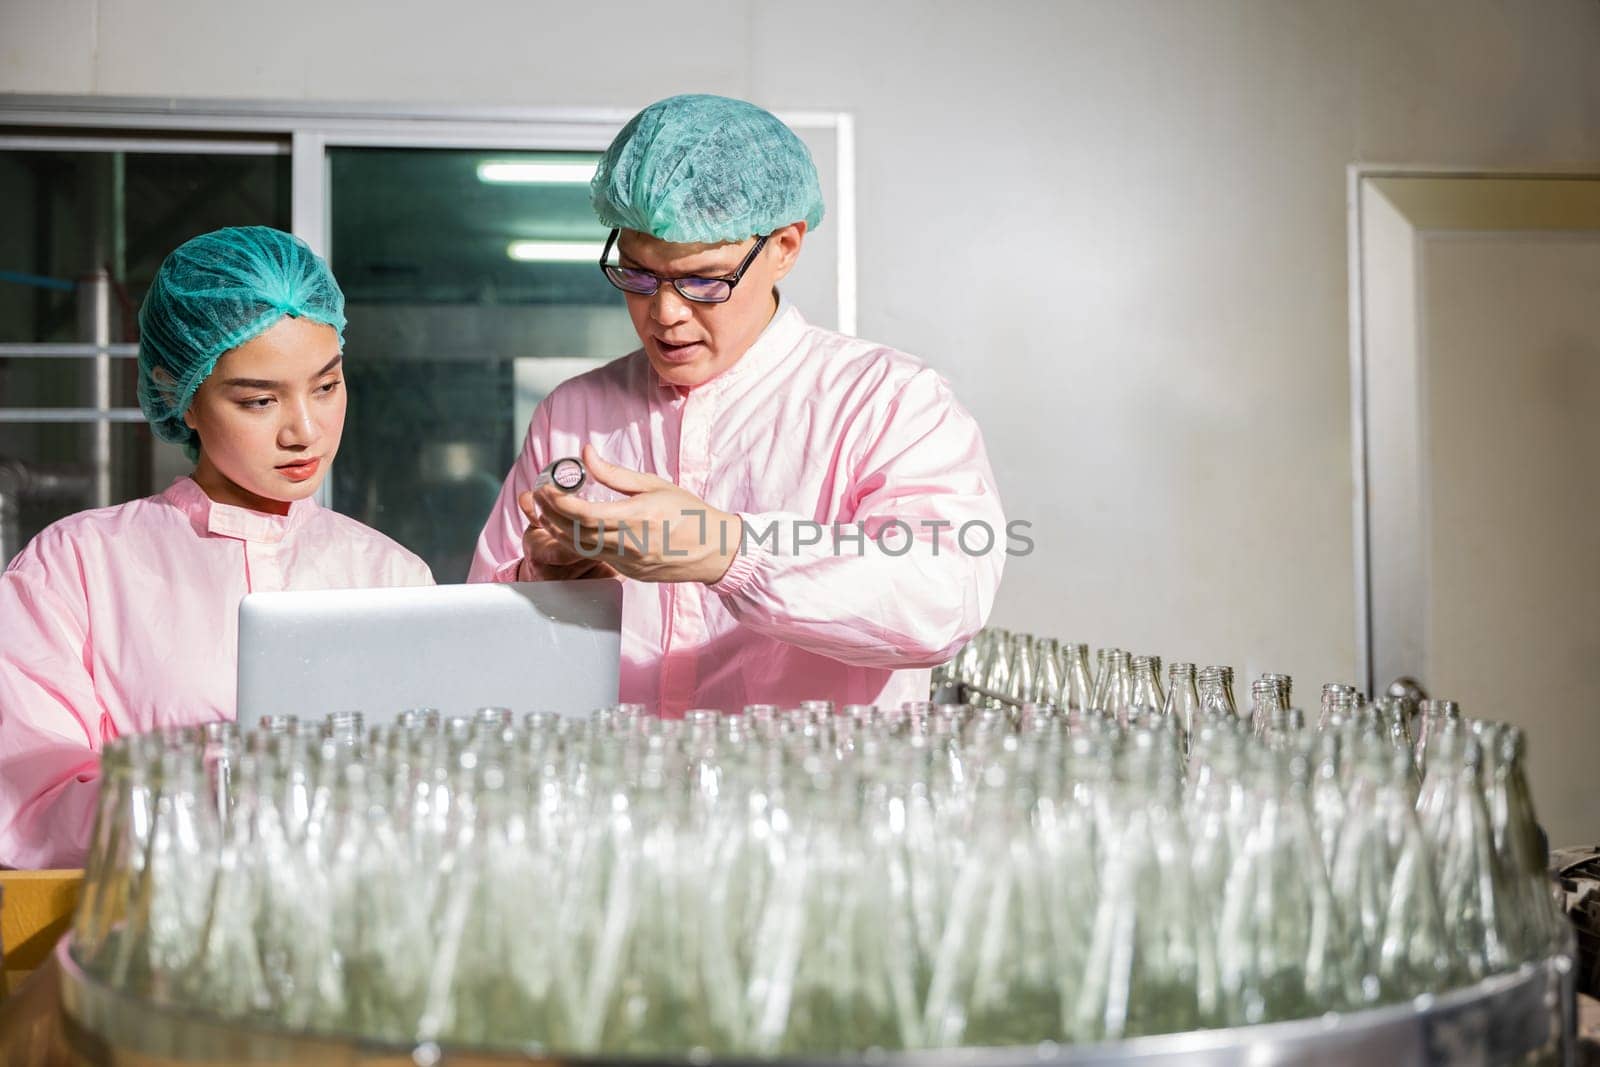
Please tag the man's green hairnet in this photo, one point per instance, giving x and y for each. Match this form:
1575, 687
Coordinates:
706, 169
211, 295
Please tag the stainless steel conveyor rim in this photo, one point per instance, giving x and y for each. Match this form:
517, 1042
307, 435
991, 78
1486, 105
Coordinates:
1501, 1020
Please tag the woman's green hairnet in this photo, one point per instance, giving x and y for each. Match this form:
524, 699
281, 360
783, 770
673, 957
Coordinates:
211, 295
706, 169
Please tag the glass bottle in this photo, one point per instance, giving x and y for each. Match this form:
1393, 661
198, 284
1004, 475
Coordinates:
1151, 966
1434, 715
1266, 700
1052, 672
1436, 796
1217, 808
1102, 679
1078, 695
1338, 702
1477, 898
995, 979
487, 981
1183, 699
379, 909
170, 897
1382, 877
1328, 792
1521, 845
1023, 680
1285, 686
1284, 729
1116, 694
102, 905
1146, 691
644, 990
1396, 729
756, 887
997, 677
227, 976
221, 750
968, 662
1280, 946
1216, 692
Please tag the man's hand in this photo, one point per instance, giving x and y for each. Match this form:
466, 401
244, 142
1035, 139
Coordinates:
547, 559
660, 533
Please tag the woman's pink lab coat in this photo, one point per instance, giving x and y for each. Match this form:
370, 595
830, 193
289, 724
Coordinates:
809, 429
125, 619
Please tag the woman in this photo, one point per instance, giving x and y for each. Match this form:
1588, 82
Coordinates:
124, 619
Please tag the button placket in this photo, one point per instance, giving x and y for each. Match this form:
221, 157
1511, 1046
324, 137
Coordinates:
691, 459
266, 573
688, 630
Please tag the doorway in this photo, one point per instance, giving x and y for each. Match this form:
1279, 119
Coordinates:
1476, 373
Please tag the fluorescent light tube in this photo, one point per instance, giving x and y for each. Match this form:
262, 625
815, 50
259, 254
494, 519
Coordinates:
513, 173
555, 251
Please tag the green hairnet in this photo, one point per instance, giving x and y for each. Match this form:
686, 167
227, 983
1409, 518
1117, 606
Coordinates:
212, 294
706, 169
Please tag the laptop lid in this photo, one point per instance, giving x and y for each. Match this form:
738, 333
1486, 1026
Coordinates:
550, 645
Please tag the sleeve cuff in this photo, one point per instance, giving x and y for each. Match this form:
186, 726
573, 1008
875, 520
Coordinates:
510, 571
743, 570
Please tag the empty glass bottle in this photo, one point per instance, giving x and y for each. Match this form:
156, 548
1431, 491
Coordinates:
1078, 689
1151, 966
1182, 706
1266, 700
1382, 877
1023, 674
1147, 692
1102, 678
1216, 692
1433, 717
1052, 673
1521, 845
997, 974
996, 680
1338, 703
1281, 950
1114, 690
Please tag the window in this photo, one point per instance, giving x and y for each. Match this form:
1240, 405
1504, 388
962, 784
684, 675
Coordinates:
459, 267
456, 330
82, 232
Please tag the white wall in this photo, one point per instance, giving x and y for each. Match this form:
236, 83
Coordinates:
1118, 227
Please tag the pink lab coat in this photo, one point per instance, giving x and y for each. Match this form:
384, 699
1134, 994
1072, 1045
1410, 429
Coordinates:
125, 619
808, 425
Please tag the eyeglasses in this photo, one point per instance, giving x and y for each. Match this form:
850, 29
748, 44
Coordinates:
690, 287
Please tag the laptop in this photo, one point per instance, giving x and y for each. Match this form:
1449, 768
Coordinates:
545, 645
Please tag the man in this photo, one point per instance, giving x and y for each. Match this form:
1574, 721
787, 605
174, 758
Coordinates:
800, 514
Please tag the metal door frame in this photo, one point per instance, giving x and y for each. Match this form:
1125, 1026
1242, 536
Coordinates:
1367, 446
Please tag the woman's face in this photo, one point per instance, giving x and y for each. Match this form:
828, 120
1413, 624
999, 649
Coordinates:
270, 417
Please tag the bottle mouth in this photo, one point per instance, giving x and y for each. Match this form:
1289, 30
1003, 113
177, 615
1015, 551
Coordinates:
568, 474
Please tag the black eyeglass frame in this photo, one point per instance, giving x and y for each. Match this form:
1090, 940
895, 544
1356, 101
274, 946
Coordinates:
732, 280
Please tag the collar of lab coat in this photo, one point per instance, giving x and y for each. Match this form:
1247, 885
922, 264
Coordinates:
228, 520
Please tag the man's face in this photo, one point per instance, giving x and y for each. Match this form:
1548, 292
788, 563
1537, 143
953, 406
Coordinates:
689, 343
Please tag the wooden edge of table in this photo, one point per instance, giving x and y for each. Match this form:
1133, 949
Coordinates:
35, 910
